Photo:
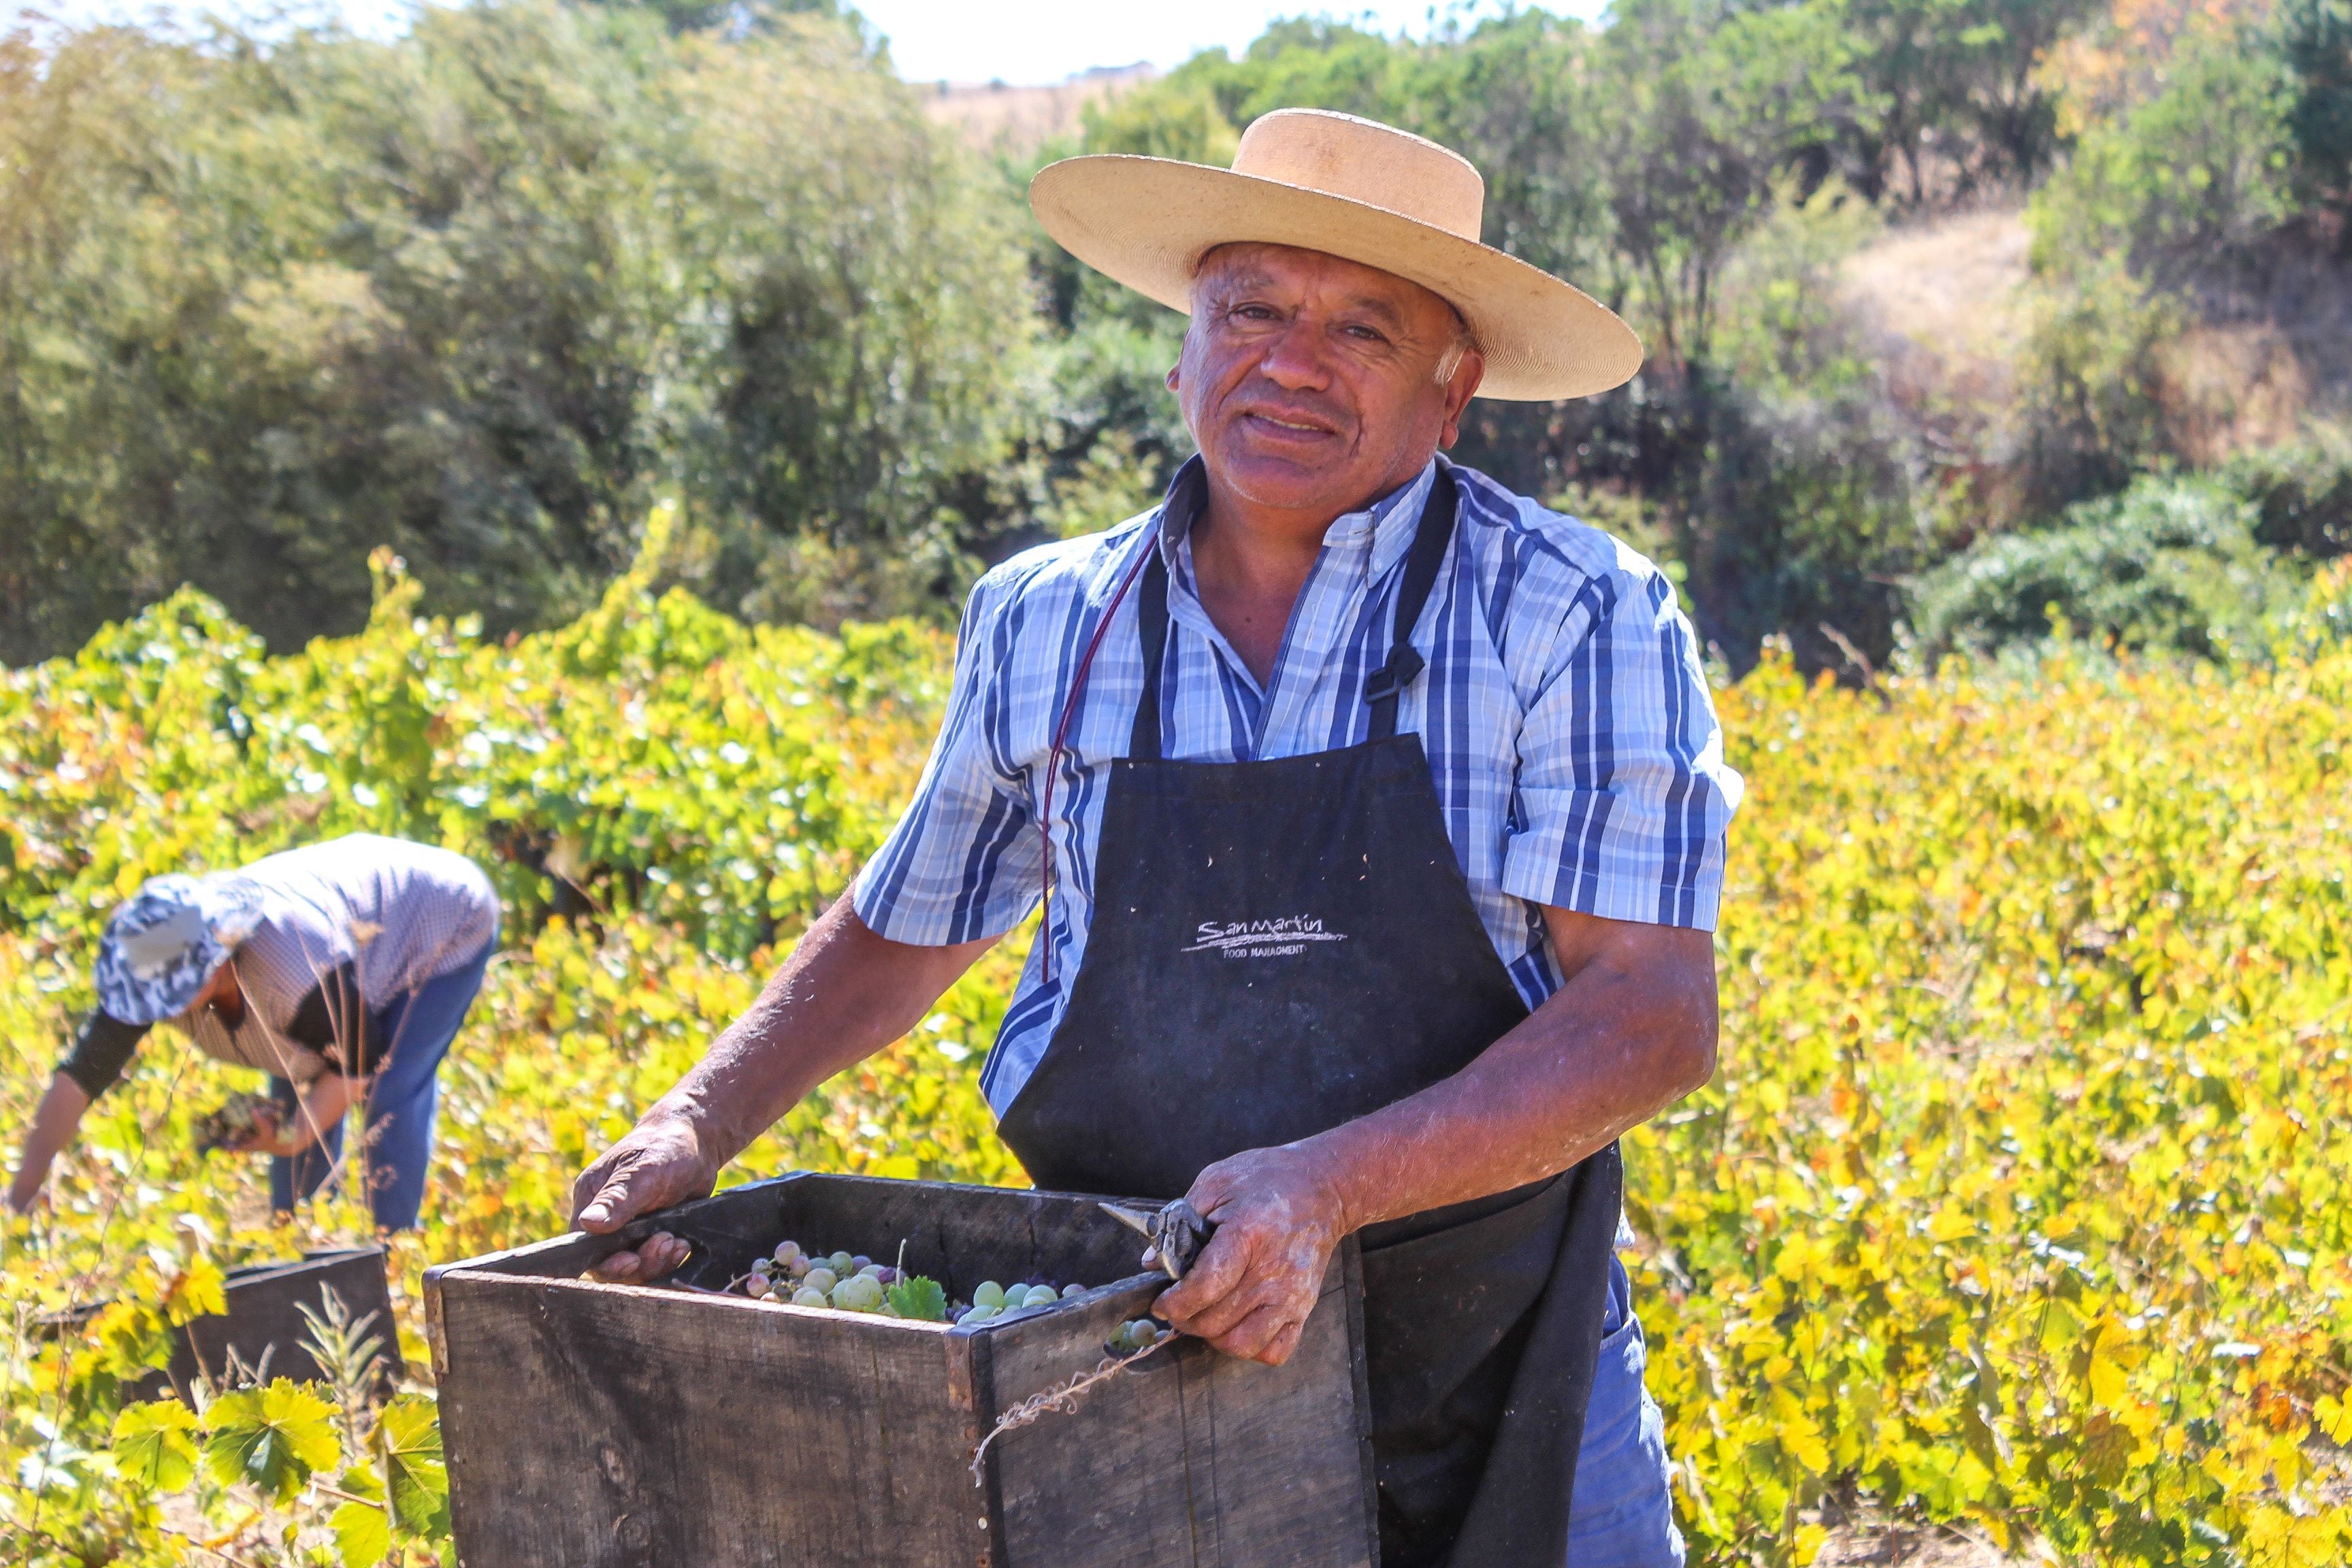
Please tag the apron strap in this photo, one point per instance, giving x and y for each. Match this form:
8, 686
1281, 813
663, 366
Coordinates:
1152, 613
1404, 665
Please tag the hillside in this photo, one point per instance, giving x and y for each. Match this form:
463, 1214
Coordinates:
997, 116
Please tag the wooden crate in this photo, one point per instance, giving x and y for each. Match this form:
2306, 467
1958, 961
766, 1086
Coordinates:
599, 1426
264, 1327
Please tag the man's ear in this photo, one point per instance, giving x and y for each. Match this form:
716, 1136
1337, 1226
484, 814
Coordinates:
1458, 394
1171, 374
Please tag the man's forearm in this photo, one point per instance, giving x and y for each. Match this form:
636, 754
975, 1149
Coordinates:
842, 995
1619, 1042
53, 1123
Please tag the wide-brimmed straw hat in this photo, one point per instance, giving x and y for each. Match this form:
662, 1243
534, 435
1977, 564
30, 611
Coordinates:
1352, 188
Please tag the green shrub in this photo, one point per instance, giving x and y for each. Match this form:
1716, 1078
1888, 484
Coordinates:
2301, 492
2170, 564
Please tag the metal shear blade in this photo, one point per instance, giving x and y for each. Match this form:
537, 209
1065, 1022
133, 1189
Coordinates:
1177, 1234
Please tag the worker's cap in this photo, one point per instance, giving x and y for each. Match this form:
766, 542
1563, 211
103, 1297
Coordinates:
164, 943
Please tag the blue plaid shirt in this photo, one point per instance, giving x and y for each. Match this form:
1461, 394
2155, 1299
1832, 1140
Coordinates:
1569, 730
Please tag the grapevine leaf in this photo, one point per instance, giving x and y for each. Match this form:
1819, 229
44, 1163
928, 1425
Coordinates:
410, 1434
921, 1298
363, 1534
200, 1291
151, 1446
271, 1438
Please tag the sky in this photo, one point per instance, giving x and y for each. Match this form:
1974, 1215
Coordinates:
1018, 42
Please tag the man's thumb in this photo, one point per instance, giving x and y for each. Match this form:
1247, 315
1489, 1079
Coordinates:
609, 1209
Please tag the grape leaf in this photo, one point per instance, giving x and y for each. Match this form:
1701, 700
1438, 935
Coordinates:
363, 1534
410, 1437
151, 1446
202, 1290
271, 1437
919, 1298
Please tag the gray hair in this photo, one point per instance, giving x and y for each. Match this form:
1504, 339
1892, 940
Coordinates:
1465, 340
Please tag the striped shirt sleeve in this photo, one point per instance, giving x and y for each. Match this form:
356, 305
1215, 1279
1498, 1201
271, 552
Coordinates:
964, 861
1623, 795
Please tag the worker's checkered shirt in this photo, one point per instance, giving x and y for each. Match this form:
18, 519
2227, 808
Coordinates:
1565, 713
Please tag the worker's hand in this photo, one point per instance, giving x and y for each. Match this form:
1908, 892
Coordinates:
272, 1132
1250, 1292
660, 1163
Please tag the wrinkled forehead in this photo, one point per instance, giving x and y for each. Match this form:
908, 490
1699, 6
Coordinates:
1250, 264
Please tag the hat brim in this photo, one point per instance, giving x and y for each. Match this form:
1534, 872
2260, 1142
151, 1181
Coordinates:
1147, 222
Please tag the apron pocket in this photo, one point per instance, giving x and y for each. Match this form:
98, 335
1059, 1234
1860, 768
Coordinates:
1449, 1304
1443, 1288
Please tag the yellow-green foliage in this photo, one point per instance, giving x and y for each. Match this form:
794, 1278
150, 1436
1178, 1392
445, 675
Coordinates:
2020, 1200
2024, 1195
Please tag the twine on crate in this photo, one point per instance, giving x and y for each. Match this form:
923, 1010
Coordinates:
1063, 1398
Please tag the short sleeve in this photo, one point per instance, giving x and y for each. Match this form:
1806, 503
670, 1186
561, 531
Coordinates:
963, 862
1624, 797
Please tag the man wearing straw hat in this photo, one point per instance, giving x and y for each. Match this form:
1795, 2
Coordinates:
341, 969
1378, 818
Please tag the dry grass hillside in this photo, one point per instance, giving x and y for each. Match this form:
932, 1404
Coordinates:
1949, 306
998, 117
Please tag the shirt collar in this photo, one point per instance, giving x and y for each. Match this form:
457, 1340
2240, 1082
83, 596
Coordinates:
1389, 522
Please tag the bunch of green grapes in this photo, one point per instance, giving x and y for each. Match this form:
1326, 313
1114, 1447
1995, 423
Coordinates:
1140, 1335
849, 1282
992, 1301
846, 1282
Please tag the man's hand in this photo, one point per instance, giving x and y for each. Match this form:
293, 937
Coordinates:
842, 995
269, 1134
660, 1163
1277, 1220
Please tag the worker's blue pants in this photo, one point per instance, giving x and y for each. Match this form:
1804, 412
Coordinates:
416, 1027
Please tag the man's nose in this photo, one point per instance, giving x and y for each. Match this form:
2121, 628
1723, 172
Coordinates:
1294, 360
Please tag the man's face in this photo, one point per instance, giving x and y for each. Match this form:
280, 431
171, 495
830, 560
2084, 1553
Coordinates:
1311, 383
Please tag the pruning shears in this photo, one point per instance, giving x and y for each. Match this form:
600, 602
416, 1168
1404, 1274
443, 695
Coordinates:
1177, 1234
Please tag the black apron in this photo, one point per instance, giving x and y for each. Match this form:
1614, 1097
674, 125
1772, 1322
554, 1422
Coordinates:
1279, 947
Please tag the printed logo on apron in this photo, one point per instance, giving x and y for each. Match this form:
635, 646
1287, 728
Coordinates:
1262, 939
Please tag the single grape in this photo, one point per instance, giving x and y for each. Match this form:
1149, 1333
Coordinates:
873, 1272
842, 1264
788, 1253
860, 1264
1039, 1296
1073, 1288
978, 1314
885, 1273
858, 1293
798, 1269
990, 1294
807, 1296
822, 1279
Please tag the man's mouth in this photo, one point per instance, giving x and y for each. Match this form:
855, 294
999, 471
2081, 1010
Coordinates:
1294, 427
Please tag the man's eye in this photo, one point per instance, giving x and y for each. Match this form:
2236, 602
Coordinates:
1364, 334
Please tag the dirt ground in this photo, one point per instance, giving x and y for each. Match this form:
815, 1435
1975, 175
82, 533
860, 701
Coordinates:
1902, 1546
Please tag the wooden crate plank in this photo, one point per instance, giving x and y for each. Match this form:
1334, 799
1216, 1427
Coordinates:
1299, 1496
1089, 1487
681, 1428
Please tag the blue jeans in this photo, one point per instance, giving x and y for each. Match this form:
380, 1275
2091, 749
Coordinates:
1623, 1514
416, 1027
